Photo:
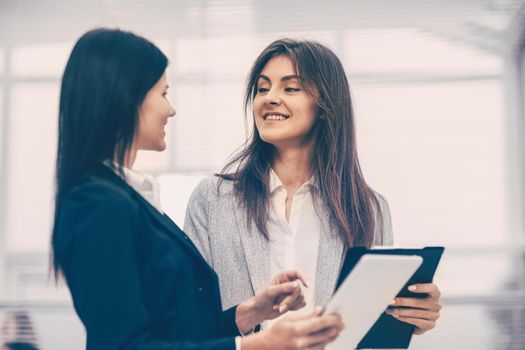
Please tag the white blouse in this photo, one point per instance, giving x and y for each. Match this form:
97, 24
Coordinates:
294, 243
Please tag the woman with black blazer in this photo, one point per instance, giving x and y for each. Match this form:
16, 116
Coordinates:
136, 279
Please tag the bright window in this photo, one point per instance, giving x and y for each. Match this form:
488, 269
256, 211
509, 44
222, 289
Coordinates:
32, 155
40, 60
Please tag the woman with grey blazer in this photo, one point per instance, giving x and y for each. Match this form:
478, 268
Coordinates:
295, 196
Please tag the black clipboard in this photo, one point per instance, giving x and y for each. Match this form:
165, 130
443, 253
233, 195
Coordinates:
388, 332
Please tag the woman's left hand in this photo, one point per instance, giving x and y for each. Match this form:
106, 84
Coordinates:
422, 313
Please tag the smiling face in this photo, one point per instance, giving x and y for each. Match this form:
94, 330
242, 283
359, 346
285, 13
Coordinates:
284, 112
153, 117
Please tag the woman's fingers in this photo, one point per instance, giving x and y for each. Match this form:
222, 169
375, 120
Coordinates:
414, 313
428, 288
310, 332
421, 312
291, 299
298, 304
283, 289
278, 297
316, 324
425, 303
323, 337
289, 296
288, 276
421, 325
321, 345
298, 275
278, 301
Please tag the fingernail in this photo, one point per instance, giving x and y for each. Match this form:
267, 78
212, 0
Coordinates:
282, 308
412, 288
275, 307
393, 302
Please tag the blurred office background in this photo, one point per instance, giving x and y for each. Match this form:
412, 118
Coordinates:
438, 88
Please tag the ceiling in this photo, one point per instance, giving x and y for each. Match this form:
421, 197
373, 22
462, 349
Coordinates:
484, 24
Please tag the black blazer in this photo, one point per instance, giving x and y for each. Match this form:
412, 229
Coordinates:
136, 279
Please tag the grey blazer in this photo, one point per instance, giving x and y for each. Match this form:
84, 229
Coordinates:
239, 254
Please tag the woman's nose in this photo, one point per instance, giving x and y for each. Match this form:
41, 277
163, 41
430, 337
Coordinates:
172, 111
273, 98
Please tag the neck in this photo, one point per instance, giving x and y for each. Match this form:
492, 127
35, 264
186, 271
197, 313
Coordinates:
130, 157
293, 166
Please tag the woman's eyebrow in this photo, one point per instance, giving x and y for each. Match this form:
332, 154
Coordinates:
290, 77
285, 78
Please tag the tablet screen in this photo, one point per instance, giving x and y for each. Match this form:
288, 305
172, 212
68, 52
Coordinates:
366, 293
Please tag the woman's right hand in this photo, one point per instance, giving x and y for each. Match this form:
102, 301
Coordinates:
282, 295
296, 332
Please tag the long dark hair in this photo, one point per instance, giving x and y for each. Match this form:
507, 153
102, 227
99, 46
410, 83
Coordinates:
354, 208
107, 77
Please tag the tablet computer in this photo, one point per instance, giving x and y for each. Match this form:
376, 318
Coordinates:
366, 292
388, 332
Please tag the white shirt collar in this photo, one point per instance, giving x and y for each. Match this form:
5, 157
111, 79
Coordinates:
275, 183
145, 185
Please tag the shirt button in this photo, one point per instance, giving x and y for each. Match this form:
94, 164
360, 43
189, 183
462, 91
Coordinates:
200, 289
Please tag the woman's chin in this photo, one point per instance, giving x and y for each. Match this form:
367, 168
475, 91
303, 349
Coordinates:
158, 147
272, 137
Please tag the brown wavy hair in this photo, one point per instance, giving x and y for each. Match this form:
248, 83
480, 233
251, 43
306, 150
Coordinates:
353, 206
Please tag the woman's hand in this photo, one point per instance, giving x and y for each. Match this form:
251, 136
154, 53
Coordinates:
297, 332
294, 301
422, 313
283, 294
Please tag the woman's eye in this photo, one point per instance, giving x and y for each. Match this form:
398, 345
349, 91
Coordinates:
292, 89
262, 90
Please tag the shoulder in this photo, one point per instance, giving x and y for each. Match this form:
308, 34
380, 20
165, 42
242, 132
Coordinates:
98, 209
103, 191
205, 186
383, 204
383, 232
212, 189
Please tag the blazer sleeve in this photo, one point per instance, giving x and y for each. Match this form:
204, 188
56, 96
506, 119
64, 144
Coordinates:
196, 222
383, 234
100, 228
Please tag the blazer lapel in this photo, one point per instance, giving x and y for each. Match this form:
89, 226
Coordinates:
172, 228
256, 251
162, 219
329, 258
